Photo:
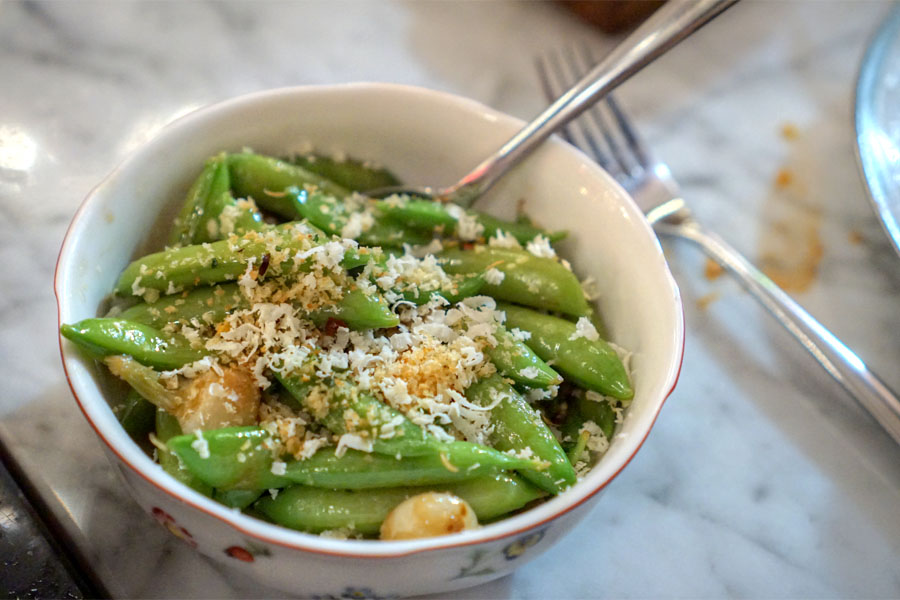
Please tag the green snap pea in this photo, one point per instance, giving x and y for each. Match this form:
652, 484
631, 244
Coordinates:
577, 448
435, 217
331, 214
317, 509
211, 304
222, 214
527, 279
239, 458
227, 216
136, 415
208, 304
460, 287
239, 499
206, 264
213, 181
516, 360
101, 336
144, 381
593, 365
597, 321
351, 174
463, 286
331, 410
167, 428
519, 427
581, 410
201, 264
265, 179
418, 213
358, 311
523, 232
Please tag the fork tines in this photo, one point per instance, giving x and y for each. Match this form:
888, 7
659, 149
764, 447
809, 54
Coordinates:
602, 132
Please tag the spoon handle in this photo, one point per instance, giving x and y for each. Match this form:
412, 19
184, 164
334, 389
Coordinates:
675, 21
835, 357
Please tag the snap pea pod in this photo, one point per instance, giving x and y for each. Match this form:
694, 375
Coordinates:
102, 336
524, 232
213, 181
349, 173
222, 214
519, 427
597, 321
208, 304
317, 509
264, 179
582, 410
358, 311
144, 380
216, 262
593, 365
332, 215
575, 450
200, 264
516, 360
240, 458
228, 216
461, 286
167, 427
331, 410
239, 499
530, 280
416, 212
355, 309
136, 415
464, 286
431, 215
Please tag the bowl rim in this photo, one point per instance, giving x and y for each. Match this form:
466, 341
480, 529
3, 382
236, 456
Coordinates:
362, 549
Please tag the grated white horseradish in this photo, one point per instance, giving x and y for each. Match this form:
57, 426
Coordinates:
468, 229
597, 441
354, 441
519, 335
529, 372
200, 445
540, 246
502, 239
494, 276
590, 289
585, 329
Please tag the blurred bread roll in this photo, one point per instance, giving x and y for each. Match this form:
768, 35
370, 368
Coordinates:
612, 16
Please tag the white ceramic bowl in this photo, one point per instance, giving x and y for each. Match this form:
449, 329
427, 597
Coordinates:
425, 137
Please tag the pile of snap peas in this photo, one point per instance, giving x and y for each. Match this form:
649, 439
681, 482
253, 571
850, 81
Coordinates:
548, 381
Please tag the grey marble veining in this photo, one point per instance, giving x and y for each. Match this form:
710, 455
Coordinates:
761, 479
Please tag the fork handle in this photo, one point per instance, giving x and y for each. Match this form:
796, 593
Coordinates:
675, 21
836, 358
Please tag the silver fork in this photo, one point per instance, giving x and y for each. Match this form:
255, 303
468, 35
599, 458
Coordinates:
605, 134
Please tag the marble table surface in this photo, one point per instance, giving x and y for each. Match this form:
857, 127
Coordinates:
762, 478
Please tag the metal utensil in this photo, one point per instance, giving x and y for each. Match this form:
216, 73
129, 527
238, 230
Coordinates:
878, 124
675, 21
38, 557
606, 134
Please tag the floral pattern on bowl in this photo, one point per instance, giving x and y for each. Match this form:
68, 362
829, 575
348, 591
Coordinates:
480, 557
355, 593
248, 552
167, 521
